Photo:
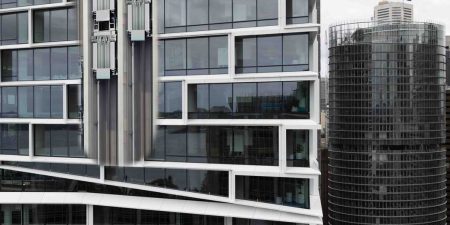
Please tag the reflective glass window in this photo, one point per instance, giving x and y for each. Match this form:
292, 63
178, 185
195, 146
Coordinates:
296, 99
58, 25
295, 52
175, 57
176, 143
42, 101
41, 28
244, 10
58, 63
26, 102
22, 29
297, 11
176, 179
270, 99
218, 55
244, 100
9, 65
58, 141
197, 15
42, 64
172, 100
270, 53
220, 13
197, 56
221, 100
175, 15
297, 148
9, 29
25, 62
74, 101
56, 101
246, 55
199, 104
73, 62
267, 13
197, 144
9, 102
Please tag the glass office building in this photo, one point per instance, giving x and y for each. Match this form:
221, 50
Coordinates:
387, 124
167, 112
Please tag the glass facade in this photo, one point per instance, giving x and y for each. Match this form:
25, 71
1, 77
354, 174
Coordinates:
237, 221
14, 139
14, 28
42, 214
200, 181
170, 100
116, 216
272, 53
217, 144
180, 57
268, 100
58, 141
292, 192
200, 15
59, 63
297, 148
6, 4
387, 124
55, 25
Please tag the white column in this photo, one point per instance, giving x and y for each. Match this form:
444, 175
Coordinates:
89, 215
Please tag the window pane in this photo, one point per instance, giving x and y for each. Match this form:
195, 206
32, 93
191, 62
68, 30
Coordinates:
173, 100
176, 179
58, 63
268, 9
74, 68
9, 102
56, 101
23, 27
74, 101
244, 100
23, 139
297, 11
246, 53
161, 98
175, 13
197, 144
221, 100
72, 25
197, 12
9, 139
58, 25
9, 65
42, 135
295, 52
270, 54
270, 97
220, 11
197, 56
41, 26
58, 141
176, 144
244, 10
42, 101
297, 147
26, 102
159, 148
9, 29
296, 99
175, 57
199, 105
218, 54
25, 68
42, 64
75, 141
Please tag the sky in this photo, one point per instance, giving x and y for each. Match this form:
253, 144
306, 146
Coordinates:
341, 11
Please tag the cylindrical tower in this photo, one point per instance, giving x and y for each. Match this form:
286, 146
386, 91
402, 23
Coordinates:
387, 124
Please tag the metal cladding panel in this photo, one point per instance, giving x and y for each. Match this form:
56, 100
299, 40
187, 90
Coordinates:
386, 127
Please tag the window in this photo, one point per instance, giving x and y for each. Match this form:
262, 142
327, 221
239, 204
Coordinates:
292, 192
275, 53
26, 102
297, 11
58, 63
74, 101
237, 221
14, 28
14, 139
170, 100
40, 64
9, 102
220, 100
199, 15
269, 100
58, 141
56, 101
297, 148
55, 25
244, 100
190, 56
42, 101
25, 62
211, 144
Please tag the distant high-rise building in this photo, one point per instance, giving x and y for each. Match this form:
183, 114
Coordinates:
447, 143
394, 11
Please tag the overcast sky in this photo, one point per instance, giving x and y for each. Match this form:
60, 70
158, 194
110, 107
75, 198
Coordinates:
338, 11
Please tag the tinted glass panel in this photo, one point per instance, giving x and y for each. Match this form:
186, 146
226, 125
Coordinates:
295, 52
9, 102
58, 63
176, 147
297, 147
296, 99
246, 55
25, 68
22, 29
9, 65
172, 100
197, 13
42, 64
244, 100
41, 26
197, 56
221, 100
42, 101
220, 11
58, 141
270, 53
74, 101
175, 57
218, 55
175, 12
9, 29
26, 102
197, 143
74, 68
270, 99
58, 25
56, 101
297, 11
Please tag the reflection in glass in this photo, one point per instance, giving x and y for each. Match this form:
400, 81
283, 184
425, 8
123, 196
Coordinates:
26, 102
176, 144
297, 11
244, 100
9, 102
58, 63
270, 99
74, 101
220, 100
42, 64
197, 56
270, 52
56, 101
297, 148
172, 100
25, 68
175, 57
